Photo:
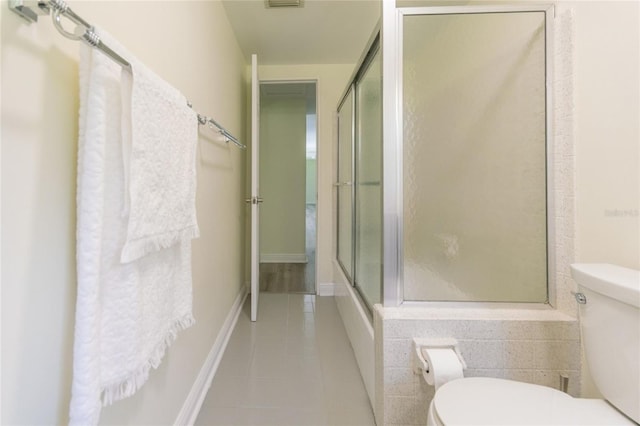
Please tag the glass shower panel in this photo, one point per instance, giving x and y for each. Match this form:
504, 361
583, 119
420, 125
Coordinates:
474, 157
345, 185
368, 182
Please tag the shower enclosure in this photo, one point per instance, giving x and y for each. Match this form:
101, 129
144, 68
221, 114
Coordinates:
359, 250
473, 155
461, 212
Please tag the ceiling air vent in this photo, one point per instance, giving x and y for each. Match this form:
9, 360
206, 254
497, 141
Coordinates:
284, 3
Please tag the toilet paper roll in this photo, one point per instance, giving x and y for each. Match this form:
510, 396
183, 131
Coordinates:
443, 366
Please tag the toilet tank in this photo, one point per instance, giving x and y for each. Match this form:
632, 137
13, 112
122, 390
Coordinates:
610, 325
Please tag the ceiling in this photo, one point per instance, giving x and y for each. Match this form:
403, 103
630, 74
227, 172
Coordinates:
320, 32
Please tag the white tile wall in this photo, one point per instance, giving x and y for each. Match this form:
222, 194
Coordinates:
532, 351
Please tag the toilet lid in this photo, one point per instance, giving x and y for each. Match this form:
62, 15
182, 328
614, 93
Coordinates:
486, 401
479, 400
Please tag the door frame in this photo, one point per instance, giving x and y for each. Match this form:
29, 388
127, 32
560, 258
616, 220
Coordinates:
316, 83
254, 198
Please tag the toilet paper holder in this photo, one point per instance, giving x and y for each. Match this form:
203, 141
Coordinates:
421, 366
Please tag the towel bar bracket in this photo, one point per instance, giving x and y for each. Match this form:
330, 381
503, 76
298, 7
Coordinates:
29, 10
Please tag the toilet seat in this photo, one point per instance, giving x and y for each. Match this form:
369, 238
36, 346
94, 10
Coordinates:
488, 401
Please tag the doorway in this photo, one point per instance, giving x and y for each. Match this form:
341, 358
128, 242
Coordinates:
288, 182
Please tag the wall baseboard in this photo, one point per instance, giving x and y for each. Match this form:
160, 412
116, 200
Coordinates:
326, 289
284, 258
191, 407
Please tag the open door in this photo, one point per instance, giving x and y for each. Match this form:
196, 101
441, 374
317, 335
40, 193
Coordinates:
255, 199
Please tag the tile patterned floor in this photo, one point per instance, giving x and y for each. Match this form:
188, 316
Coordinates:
295, 366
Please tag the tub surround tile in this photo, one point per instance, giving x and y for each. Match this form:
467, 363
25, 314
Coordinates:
401, 329
458, 312
462, 329
423, 390
484, 372
482, 354
564, 354
526, 376
567, 329
399, 381
397, 353
519, 354
535, 350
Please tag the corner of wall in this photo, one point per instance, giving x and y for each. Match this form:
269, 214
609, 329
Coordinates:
563, 171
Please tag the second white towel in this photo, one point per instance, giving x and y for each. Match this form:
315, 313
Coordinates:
159, 152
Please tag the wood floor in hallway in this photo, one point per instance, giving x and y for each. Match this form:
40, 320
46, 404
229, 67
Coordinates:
294, 366
294, 277
287, 278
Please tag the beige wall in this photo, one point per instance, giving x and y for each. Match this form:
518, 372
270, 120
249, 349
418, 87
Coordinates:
191, 45
607, 139
332, 80
311, 184
607, 131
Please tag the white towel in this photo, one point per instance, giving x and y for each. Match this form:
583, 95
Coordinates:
126, 314
160, 171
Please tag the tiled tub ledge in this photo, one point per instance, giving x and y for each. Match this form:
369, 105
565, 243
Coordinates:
528, 345
473, 311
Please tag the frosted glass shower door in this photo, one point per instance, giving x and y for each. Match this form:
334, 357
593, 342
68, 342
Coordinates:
474, 157
368, 277
345, 185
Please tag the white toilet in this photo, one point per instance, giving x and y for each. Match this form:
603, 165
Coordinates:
610, 324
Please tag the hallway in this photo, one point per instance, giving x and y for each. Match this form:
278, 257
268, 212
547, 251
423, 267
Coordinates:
294, 366
294, 277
